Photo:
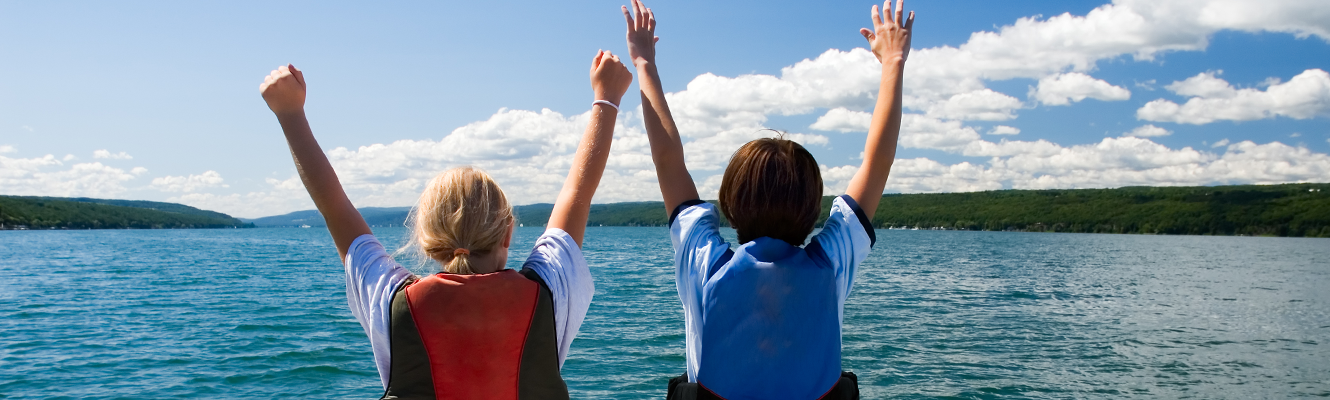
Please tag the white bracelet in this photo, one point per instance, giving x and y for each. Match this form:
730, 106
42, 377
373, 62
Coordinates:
606, 102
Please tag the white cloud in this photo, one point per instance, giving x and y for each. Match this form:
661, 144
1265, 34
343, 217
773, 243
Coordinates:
921, 132
1148, 131
984, 104
1220, 143
7, 149
1004, 130
49, 176
100, 154
284, 196
843, 120
1114, 162
836, 179
1064, 89
189, 183
1305, 96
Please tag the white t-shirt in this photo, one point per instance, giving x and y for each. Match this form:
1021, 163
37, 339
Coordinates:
700, 251
372, 277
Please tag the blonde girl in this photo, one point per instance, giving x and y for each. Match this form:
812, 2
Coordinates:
475, 330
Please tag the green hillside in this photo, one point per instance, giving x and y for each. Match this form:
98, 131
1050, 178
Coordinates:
22, 212
375, 216
1271, 210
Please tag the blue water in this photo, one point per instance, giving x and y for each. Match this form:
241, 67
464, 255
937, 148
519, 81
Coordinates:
262, 313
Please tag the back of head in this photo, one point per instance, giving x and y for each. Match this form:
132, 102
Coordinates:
772, 188
461, 214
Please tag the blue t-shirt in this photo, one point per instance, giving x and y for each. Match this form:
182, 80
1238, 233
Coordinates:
763, 321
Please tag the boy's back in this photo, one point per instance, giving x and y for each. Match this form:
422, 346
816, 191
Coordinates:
763, 320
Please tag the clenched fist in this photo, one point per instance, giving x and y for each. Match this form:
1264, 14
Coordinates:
284, 90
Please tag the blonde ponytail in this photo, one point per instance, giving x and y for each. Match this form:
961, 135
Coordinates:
462, 213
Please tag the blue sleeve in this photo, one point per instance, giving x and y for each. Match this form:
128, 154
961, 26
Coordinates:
845, 239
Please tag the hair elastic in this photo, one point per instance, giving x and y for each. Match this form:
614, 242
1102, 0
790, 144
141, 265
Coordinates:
606, 102
461, 251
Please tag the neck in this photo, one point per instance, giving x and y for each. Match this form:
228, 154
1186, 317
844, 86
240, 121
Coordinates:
488, 263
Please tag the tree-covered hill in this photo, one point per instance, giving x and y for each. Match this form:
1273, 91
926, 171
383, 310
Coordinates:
1274, 210
1271, 210
22, 212
374, 216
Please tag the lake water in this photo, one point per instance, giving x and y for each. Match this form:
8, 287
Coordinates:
262, 313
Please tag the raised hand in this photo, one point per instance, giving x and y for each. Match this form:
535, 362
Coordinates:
890, 40
609, 77
641, 33
284, 90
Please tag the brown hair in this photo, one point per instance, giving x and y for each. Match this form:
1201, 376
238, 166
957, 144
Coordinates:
772, 188
462, 213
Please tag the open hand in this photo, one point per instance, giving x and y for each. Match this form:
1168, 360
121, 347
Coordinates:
641, 33
890, 41
284, 90
609, 77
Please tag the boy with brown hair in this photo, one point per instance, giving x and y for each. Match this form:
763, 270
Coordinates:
763, 320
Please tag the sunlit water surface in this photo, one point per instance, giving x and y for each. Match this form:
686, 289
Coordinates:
262, 313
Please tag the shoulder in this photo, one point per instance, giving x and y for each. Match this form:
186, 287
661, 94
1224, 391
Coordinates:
847, 215
691, 210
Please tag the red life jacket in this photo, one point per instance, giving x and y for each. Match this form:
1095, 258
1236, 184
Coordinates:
483, 336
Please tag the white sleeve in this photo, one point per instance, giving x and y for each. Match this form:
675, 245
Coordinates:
846, 239
559, 262
695, 234
371, 278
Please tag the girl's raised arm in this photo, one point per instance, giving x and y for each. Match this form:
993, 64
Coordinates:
609, 80
890, 42
284, 90
676, 185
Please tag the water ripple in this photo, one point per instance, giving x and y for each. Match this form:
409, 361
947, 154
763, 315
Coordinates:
262, 313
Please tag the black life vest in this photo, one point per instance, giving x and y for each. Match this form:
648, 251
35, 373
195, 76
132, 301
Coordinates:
482, 336
847, 388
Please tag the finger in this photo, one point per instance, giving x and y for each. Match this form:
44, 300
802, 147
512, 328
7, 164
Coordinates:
641, 14
628, 18
867, 34
909, 23
900, 11
595, 61
656, 40
877, 18
651, 20
300, 75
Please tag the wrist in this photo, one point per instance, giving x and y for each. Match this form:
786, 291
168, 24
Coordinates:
290, 114
617, 100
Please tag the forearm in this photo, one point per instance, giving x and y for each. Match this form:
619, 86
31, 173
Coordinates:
573, 207
676, 185
341, 217
880, 148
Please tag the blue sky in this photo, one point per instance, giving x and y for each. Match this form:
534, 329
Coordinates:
159, 100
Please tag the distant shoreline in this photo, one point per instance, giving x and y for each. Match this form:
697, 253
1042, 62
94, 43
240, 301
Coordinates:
1293, 210
81, 213
1297, 210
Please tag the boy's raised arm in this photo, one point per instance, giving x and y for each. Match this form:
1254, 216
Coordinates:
609, 80
890, 42
284, 91
676, 185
